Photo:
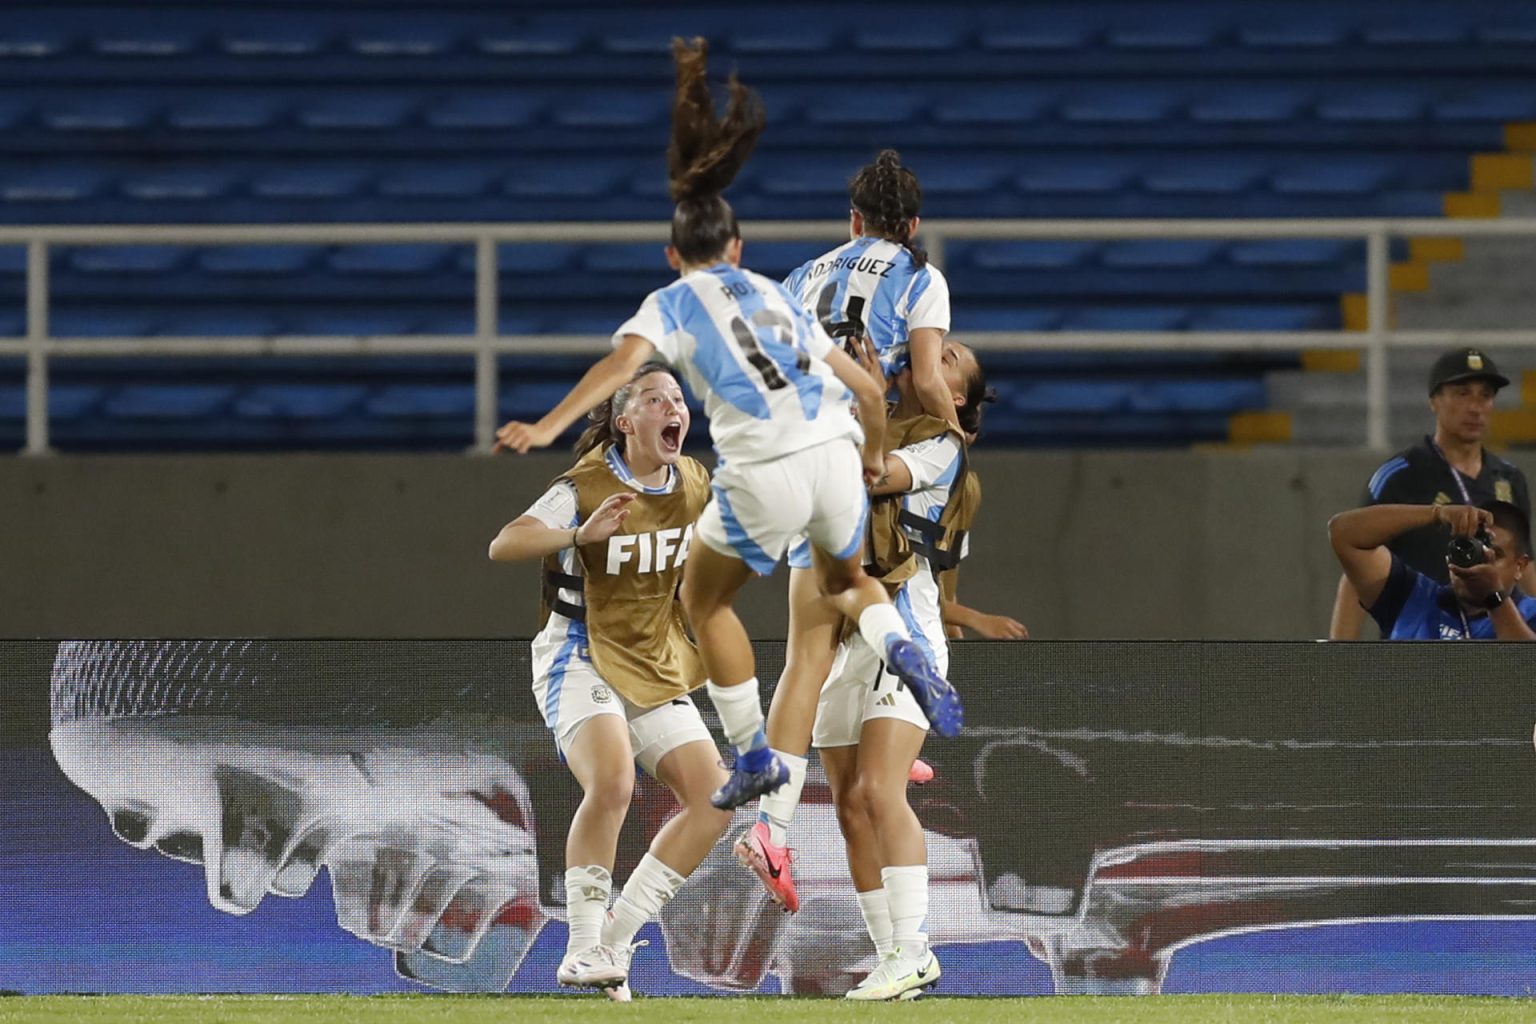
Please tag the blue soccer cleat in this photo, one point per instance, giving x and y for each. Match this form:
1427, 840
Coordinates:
745, 784
939, 701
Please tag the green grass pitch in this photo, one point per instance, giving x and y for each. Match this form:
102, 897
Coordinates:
431, 1009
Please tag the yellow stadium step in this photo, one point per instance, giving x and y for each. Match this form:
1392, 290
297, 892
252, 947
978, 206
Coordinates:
1437, 250
1471, 205
1494, 172
1520, 137
1513, 426
1528, 389
1259, 426
1331, 360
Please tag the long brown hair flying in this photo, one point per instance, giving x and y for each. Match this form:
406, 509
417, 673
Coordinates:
706, 153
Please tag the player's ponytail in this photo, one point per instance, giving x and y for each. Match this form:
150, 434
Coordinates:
977, 394
706, 154
888, 196
602, 421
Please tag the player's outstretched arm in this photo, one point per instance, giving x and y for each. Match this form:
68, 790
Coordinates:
925, 346
606, 376
983, 624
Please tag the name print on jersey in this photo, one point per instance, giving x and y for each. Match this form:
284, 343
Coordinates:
649, 552
857, 264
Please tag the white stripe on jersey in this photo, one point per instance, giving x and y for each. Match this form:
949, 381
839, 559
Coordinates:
754, 355
874, 281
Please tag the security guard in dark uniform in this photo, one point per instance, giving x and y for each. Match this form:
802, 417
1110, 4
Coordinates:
1450, 467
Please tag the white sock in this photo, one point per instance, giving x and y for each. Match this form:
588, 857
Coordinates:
906, 890
777, 808
646, 892
879, 624
586, 901
877, 919
741, 711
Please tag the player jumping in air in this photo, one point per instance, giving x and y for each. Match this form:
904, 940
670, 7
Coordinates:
613, 666
778, 393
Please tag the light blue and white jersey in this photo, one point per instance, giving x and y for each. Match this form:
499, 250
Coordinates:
754, 356
935, 467
874, 282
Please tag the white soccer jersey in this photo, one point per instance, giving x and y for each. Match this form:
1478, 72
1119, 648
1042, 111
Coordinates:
935, 465
754, 355
874, 282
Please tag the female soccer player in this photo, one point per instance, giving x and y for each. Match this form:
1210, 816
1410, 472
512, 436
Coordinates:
877, 286
613, 666
868, 728
777, 392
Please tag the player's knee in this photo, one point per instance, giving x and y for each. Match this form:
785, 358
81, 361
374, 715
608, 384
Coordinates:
851, 818
611, 792
877, 798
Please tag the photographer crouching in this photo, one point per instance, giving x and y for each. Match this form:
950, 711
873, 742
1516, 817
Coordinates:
1489, 549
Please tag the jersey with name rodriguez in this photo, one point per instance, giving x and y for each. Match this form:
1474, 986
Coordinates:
754, 356
875, 282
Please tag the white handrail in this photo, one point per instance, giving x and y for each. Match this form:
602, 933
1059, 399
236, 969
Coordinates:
485, 343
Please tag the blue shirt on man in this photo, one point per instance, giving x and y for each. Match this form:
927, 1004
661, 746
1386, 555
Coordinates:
1414, 607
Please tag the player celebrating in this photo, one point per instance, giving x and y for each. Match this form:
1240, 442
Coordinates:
868, 728
613, 666
777, 392
877, 286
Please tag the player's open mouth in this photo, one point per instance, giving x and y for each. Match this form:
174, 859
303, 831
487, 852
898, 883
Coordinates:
672, 437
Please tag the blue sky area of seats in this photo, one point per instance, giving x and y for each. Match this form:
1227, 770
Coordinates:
385, 111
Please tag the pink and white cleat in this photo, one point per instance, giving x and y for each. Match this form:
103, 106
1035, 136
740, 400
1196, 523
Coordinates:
771, 864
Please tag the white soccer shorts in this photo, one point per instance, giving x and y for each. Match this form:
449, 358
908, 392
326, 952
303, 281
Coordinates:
569, 692
860, 688
760, 508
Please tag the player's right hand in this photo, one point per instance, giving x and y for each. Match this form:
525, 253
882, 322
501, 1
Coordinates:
999, 627
606, 519
1464, 520
874, 467
519, 437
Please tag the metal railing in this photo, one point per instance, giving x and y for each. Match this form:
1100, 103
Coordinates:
39, 346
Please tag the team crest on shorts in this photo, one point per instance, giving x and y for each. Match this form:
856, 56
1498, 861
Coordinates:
601, 695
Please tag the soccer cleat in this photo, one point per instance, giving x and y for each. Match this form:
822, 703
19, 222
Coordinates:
772, 865
921, 772
744, 785
620, 993
898, 978
939, 701
593, 967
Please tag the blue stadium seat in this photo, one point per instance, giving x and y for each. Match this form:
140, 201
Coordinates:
103, 112
353, 321
978, 177
792, 39
626, 258
519, 260
1252, 104
102, 323
451, 181
144, 41
168, 401
1396, 106
972, 318
33, 42
186, 184
226, 111
1509, 33
227, 323
485, 111
423, 401
606, 110
1293, 252
576, 179
1296, 31
128, 259
1027, 255
1223, 176
311, 182
413, 41
1167, 34
543, 41
1000, 105
777, 259
285, 39
809, 177
259, 260
1265, 318
13, 323
928, 35
1159, 254
1508, 102
1197, 396
1130, 104
66, 402
1088, 176
1421, 31
1069, 396
52, 185
530, 398
888, 107
1128, 318
349, 111
299, 401
1332, 178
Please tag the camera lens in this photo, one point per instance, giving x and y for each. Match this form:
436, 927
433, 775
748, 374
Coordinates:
1465, 552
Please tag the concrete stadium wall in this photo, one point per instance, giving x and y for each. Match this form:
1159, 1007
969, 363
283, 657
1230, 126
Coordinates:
1120, 544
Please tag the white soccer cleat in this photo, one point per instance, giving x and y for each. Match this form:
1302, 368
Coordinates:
898, 978
593, 967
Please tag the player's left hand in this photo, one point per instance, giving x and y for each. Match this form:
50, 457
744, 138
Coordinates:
1479, 580
874, 466
999, 627
519, 437
863, 351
